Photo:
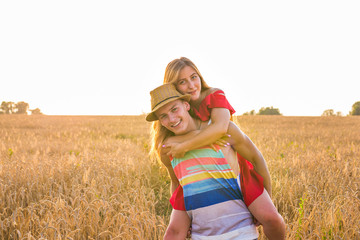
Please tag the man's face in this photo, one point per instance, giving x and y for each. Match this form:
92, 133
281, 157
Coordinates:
175, 116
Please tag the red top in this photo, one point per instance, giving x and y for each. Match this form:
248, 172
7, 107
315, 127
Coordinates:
216, 99
251, 182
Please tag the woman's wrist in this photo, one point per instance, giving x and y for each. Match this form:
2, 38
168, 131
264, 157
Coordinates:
184, 147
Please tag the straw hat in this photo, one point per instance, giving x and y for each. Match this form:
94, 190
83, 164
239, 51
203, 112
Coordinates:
163, 95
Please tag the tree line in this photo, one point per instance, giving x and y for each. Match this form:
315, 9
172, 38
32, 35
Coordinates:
17, 108
355, 111
265, 111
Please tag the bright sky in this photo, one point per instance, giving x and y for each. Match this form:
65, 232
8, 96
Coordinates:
104, 57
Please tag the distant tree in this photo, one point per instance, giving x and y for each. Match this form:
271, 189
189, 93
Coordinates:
252, 112
22, 107
339, 114
3, 107
18, 108
35, 111
328, 112
269, 111
11, 107
355, 109
8, 107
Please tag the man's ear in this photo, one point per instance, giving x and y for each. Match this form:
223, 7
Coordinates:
187, 105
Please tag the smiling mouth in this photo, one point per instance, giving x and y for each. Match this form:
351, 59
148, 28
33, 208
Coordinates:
176, 124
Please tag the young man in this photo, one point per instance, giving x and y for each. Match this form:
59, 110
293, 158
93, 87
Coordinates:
213, 199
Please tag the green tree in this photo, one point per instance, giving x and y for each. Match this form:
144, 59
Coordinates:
252, 112
339, 114
355, 109
35, 111
269, 111
3, 107
8, 107
328, 112
22, 107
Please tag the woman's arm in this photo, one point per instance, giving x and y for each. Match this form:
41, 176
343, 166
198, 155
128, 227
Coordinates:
220, 118
179, 139
246, 148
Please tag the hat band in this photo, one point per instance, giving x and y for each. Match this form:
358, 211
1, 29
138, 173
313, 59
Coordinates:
164, 101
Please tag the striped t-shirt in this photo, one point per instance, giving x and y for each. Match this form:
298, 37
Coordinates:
212, 196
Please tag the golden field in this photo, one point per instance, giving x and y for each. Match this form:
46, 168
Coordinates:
90, 177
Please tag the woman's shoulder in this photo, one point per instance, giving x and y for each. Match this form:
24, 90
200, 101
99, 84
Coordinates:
216, 99
214, 90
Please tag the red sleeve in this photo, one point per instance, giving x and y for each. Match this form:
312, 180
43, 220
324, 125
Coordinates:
177, 199
214, 100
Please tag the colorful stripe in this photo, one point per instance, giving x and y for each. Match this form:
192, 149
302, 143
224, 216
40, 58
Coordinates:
209, 198
202, 153
206, 178
229, 174
210, 184
188, 163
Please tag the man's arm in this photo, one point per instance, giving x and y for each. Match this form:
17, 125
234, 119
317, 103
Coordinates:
166, 161
246, 148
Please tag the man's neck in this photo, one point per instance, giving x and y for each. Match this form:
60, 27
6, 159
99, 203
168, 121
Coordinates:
192, 126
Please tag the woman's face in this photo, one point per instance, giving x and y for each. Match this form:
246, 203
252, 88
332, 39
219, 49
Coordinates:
189, 83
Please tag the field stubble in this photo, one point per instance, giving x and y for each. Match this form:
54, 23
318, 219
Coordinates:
89, 177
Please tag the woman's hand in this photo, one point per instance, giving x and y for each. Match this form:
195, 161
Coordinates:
176, 150
223, 141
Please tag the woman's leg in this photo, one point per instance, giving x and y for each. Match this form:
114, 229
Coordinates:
178, 226
266, 213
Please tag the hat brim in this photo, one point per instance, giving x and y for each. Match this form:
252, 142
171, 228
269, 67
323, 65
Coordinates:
152, 116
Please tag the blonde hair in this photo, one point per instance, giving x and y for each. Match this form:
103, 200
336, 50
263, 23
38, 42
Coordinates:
158, 135
175, 66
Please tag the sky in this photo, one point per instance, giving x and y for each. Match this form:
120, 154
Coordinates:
104, 57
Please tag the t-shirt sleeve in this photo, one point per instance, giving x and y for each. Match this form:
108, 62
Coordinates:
219, 100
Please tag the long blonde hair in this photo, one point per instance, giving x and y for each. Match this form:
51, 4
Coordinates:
174, 67
158, 135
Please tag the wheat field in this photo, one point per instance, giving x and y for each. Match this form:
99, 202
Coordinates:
90, 177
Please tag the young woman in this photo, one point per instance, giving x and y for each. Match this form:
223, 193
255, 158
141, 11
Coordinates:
211, 103
213, 198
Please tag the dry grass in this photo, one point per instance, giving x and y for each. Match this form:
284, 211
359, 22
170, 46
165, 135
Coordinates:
315, 167
90, 177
